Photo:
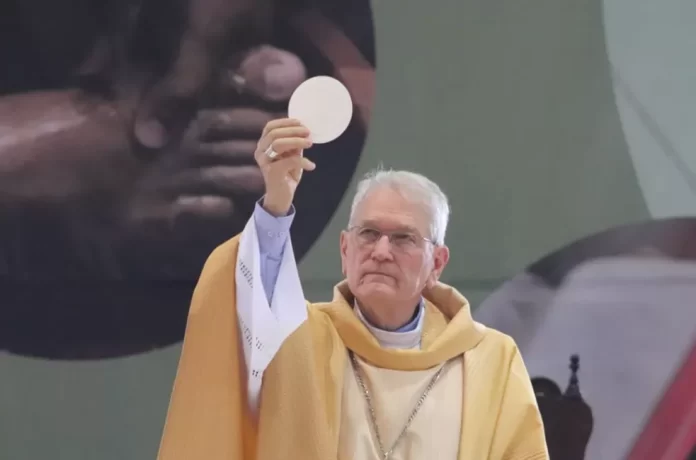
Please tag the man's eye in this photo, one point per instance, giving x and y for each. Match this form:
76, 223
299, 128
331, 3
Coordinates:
369, 233
403, 238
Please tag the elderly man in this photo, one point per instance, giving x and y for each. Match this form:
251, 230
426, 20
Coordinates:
393, 367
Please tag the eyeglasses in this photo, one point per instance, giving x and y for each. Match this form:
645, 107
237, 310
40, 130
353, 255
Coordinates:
403, 241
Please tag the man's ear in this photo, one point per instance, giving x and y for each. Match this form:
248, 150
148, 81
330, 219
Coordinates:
441, 255
343, 243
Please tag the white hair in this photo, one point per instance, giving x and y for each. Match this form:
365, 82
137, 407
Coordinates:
415, 188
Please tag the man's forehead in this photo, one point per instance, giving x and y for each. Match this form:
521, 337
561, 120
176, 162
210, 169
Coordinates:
390, 225
387, 210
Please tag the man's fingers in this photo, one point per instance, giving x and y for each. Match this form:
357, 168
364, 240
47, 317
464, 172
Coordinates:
308, 165
287, 144
285, 139
290, 131
293, 163
279, 123
283, 148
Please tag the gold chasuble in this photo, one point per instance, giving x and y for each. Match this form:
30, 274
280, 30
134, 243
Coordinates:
302, 413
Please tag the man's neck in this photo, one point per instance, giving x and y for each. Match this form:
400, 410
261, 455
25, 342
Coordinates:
395, 323
406, 337
391, 324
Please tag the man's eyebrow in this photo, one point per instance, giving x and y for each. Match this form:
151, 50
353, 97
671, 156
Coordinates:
397, 228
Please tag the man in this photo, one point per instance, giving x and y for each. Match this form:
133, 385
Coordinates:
393, 368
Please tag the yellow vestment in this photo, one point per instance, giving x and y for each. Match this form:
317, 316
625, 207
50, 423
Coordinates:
300, 409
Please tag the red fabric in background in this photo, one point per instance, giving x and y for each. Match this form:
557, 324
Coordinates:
670, 433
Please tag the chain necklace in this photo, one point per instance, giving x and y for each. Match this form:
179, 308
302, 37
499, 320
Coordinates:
386, 454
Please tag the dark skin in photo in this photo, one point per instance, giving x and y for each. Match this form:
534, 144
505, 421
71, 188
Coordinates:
127, 133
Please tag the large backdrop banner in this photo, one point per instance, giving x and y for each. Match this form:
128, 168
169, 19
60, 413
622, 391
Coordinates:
561, 131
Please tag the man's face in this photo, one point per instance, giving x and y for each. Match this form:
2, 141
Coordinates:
386, 255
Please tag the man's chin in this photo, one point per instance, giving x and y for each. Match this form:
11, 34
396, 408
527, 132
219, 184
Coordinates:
377, 288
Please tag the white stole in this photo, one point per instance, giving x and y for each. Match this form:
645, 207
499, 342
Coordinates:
264, 328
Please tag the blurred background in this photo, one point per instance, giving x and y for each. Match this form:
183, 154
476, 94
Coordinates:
562, 132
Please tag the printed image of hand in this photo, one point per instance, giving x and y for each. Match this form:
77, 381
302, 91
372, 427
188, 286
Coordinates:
213, 174
280, 156
212, 29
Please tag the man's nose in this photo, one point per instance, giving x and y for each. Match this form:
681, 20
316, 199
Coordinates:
382, 249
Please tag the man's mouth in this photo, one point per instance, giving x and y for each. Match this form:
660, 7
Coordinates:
378, 274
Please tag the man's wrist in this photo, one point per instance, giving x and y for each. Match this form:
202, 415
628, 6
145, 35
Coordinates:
276, 209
